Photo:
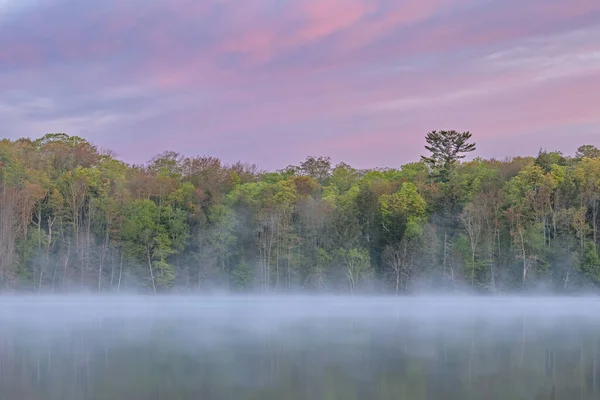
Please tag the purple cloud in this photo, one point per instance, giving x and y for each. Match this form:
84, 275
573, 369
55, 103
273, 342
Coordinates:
272, 81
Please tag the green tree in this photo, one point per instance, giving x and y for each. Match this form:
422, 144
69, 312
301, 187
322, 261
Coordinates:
587, 151
71, 213
547, 160
403, 213
216, 240
343, 178
446, 148
153, 233
167, 163
356, 264
242, 276
589, 262
315, 167
402, 216
587, 181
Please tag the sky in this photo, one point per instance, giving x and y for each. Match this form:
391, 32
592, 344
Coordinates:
273, 81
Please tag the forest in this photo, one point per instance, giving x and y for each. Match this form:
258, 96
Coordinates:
75, 218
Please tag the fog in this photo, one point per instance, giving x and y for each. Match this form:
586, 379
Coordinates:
298, 347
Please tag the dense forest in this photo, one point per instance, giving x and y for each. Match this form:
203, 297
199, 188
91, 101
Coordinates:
75, 218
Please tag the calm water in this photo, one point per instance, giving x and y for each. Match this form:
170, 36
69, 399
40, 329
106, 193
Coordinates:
299, 348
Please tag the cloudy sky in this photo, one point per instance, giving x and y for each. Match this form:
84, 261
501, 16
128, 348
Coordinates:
272, 81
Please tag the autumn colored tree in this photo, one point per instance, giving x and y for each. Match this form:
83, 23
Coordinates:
73, 217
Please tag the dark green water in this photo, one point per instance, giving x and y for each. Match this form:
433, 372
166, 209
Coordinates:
299, 348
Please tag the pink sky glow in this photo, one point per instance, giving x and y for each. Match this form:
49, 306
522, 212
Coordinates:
273, 81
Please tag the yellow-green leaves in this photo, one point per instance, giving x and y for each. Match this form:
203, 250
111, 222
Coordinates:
407, 206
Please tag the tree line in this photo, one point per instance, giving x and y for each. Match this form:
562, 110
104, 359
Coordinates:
73, 217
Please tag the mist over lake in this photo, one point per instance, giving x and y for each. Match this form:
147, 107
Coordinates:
299, 200
269, 347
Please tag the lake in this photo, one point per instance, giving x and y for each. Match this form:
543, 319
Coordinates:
136, 347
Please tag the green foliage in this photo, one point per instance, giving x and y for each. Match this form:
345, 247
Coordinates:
589, 262
273, 177
546, 160
472, 178
151, 234
343, 178
73, 217
242, 275
588, 151
316, 167
447, 148
404, 212
219, 232
356, 263
168, 163
412, 172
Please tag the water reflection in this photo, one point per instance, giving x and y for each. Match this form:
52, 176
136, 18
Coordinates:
299, 348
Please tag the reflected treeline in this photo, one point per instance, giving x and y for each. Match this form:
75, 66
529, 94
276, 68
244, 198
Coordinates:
345, 358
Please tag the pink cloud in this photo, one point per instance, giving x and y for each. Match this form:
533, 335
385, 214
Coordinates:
354, 20
505, 120
451, 35
543, 106
424, 94
355, 75
24, 54
330, 16
561, 9
507, 114
253, 40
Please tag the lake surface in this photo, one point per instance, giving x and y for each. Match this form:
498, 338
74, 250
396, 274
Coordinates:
299, 348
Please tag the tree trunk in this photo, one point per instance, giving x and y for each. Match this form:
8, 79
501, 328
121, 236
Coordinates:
151, 270
120, 273
56, 266
277, 243
289, 260
595, 221
523, 254
112, 269
351, 280
103, 257
66, 263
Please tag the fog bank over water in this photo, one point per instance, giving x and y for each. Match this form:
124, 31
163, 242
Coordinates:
303, 347
275, 311
299, 304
